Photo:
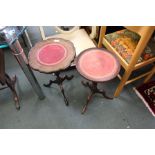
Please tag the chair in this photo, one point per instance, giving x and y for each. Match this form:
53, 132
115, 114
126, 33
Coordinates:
130, 46
79, 38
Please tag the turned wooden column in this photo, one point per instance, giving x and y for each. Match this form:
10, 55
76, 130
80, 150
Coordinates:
2, 67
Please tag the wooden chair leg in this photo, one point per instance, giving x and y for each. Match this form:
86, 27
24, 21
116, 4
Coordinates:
150, 75
122, 83
101, 36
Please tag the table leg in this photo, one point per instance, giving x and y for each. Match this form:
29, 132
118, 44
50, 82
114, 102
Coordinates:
87, 102
94, 89
11, 84
59, 81
2, 67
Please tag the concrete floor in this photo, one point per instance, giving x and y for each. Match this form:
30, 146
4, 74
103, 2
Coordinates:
126, 111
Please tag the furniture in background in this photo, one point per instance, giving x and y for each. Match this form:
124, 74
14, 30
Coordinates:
79, 37
146, 92
130, 46
6, 80
53, 56
96, 65
11, 35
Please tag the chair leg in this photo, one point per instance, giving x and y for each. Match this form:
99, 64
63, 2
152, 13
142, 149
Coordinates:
150, 75
122, 83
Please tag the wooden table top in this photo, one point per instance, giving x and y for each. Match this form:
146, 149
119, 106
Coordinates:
51, 55
97, 65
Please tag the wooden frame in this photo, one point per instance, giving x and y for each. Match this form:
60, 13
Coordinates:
145, 32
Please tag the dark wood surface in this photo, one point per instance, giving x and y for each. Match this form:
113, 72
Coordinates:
93, 90
59, 81
7, 81
2, 67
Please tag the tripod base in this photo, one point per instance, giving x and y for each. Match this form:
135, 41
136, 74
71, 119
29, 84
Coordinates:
93, 87
59, 81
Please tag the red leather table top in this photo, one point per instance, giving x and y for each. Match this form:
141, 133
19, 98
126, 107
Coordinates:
51, 55
97, 65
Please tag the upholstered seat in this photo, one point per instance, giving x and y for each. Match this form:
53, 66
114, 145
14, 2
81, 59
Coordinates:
125, 42
130, 46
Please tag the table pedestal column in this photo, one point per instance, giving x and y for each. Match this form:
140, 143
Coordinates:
59, 81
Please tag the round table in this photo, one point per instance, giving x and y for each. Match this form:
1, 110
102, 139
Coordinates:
96, 65
53, 56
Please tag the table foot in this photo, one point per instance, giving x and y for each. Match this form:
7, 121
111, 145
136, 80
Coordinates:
4, 87
87, 102
104, 94
63, 93
11, 84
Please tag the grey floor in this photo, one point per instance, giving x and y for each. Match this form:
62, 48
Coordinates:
125, 112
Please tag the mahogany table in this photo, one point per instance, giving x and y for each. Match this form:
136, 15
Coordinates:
6, 80
96, 65
11, 35
53, 56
